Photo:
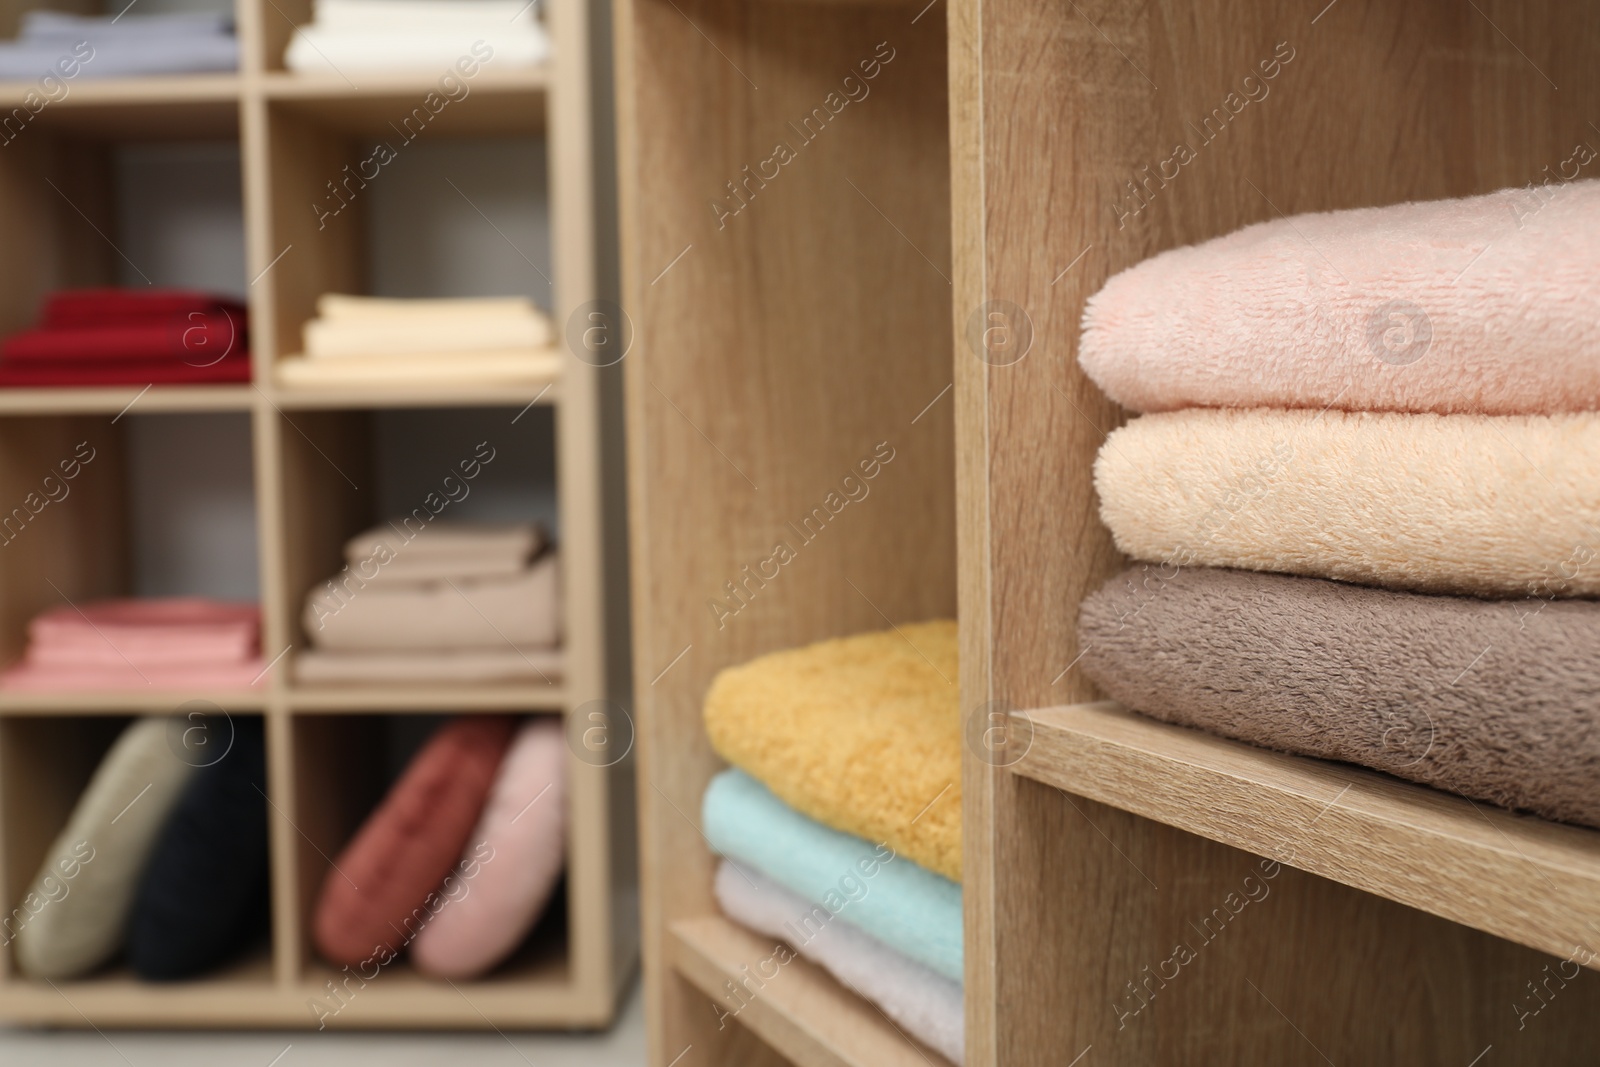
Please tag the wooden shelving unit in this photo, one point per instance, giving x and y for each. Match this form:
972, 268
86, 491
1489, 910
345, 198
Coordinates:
782, 322
313, 458
1393, 931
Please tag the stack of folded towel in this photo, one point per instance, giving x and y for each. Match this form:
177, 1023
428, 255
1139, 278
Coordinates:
1395, 410
373, 340
444, 603
57, 43
346, 36
130, 337
459, 860
841, 822
179, 643
164, 858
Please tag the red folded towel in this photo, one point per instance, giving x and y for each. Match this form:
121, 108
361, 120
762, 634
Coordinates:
130, 337
109, 307
235, 368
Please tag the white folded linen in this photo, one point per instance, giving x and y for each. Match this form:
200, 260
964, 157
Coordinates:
443, 550
523, 611
361, 16
479, 666
520, 367
321, 51
926, 1004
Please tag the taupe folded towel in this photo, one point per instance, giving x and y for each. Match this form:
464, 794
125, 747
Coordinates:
1494, 700
520, 611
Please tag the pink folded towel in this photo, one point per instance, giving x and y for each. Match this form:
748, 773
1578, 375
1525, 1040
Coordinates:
146, 633
175, 677
1488, 305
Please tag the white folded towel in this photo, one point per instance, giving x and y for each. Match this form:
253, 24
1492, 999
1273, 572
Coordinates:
508, 46
340, 307
926, 1004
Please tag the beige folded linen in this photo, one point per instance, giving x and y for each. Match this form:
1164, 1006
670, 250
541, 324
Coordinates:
520, 611
337, 307
407, 335
398, 552
513, 367
468, 666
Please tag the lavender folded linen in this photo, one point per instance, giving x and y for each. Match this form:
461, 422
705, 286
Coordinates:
1488, 305
1497, 700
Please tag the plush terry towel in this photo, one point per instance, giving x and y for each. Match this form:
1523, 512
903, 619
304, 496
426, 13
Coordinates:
1496, 700
523, 833
481, 613
926, 1005
862, 734
78, 904
468, 666
1487, 506
390, 880
909, 909
520, 367
409, 335
1489, 305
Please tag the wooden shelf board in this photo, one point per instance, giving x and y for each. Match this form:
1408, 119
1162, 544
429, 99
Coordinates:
124, 701
803, 1013
114, 398
499, 103
1517, 877
195, 106
382, 699
545, 394
396, 998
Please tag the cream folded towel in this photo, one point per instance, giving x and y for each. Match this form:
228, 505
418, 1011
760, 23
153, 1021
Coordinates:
403, 336
1486, 506
474, 666
520, 367
341, 307
442, 550
1488, 305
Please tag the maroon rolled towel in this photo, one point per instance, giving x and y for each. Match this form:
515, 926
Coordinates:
1497, 700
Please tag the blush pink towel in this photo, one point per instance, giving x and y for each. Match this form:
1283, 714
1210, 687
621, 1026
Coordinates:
50, 678
524, 825
146, 633
1488, 305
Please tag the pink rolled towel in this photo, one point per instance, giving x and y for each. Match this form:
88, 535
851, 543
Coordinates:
515, 857
1488, 305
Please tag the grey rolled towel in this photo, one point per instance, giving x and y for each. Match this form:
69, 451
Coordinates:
1497, 700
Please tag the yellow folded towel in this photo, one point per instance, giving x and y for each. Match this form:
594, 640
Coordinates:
861, 733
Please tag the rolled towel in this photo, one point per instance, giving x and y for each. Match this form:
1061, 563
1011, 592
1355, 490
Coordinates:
386, 885
1486, 506
1488, 305
910, 909
520, 848
74, 914
205, 892
1495, 700
487, 613
862, 734
927, 1005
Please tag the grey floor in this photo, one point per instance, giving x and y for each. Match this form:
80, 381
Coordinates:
623, 1046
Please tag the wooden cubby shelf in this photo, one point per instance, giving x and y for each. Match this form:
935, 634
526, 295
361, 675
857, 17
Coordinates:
323, 465
1518, 877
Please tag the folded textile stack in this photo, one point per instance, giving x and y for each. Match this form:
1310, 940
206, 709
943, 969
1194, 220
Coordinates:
130, 337
164, 857
179, 643
445, 603
82, 46
346, 36
845, 804
1394, 409
357, 341
460, 859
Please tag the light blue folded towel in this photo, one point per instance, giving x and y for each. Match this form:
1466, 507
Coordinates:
906, 907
